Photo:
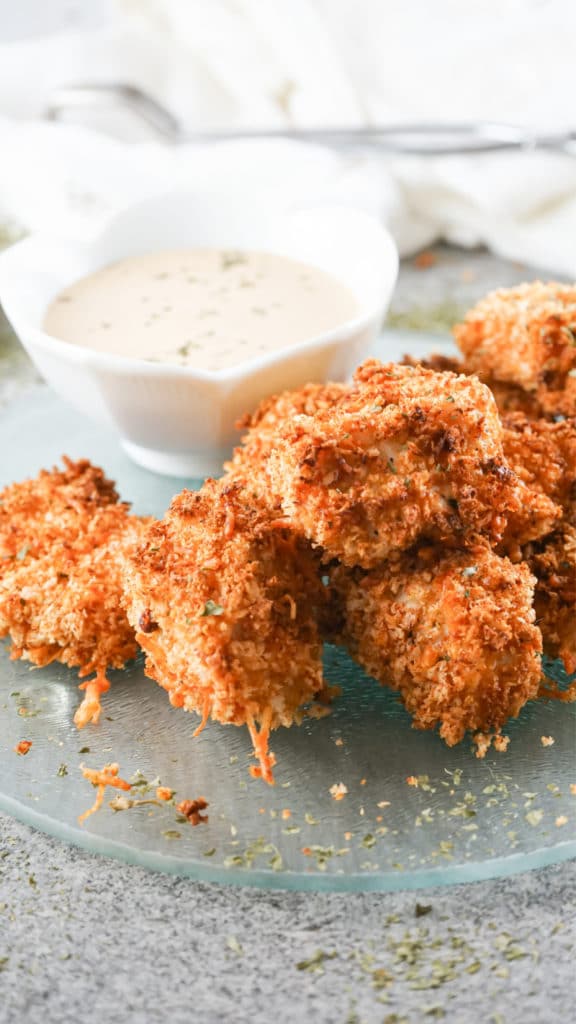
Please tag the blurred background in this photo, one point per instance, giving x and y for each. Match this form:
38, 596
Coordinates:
232, 64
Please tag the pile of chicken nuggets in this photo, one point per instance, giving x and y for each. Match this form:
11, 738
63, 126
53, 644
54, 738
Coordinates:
424, 516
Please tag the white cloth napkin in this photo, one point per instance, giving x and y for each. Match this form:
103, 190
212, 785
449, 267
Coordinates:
306, 62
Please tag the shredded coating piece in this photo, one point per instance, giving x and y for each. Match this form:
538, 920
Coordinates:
90, 709
101, 778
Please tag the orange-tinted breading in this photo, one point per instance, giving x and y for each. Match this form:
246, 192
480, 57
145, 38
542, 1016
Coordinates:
526, 337
454, 633
540, 404
553, 562
62, 539
225, 607
543, 455
51, 507
273, 412
271, 416
404, 453
541, 452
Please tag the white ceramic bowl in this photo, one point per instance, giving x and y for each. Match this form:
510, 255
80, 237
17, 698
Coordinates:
177, 420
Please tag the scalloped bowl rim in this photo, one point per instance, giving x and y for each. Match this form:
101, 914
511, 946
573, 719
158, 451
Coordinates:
14, 266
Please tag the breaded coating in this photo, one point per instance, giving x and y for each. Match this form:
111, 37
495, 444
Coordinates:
543, 455
62, 539
405, 453
225, 607
453, 633
51, 507
553, 562
272, 415
525, 337
274, 411
540, 404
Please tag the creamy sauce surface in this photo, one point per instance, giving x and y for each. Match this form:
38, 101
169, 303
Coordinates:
207, 308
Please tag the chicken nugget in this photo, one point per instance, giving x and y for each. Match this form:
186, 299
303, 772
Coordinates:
525, 338
225, 607
454, 633
62, 536
404, 453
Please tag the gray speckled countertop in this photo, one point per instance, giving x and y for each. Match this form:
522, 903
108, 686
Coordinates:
85, 938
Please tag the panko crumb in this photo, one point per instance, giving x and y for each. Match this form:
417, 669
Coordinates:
338, 791
484, 740
164, 793
547, 741
561, 820
501, 743
191, 809
121, 803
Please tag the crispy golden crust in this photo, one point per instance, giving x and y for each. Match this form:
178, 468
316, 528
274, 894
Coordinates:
403, 454
225, 608
53, 506
540, 404
271, 416
553, 562
543, 455
62, 538
307, 400
523, 336
454, 633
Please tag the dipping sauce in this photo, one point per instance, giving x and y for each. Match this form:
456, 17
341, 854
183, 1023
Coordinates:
207, 308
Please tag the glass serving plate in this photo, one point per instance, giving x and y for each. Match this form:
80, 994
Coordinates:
414, 812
